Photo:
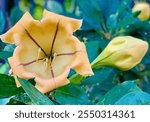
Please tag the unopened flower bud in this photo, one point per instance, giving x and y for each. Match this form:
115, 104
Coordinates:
122, 52
144, 8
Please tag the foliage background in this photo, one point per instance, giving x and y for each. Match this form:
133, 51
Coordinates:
102, 21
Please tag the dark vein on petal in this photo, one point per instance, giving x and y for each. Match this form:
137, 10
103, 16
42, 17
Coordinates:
27, 32
73, 53
57, 28
52, 72
53, 76
31, 62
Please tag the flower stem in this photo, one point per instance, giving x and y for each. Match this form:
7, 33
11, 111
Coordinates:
76, 78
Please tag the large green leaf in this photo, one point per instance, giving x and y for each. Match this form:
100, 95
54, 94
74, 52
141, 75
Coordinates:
99, 84
35, 95
100, 75
8, 86
118, 92
134, 98
71, 94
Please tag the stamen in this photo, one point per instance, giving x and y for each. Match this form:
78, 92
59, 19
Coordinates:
55, 54
46, 64
46, 60
39, 51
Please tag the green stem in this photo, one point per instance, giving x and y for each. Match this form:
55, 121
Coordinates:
76, 78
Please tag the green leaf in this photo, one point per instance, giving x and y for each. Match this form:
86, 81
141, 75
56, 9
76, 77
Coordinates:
99, 84
123, 7
126, 22
134, 98
14, 102
4, 101
2, 45
96, 92
71, 94
136, 14
112, 96
20, 99
93, 49
35, 95
8, 86
76, 78
70, 5
38, 11
4, 68
54, 6
112, 23
93, 16
15, 15
5, 55
109, 7
100, 75
10, 48
2, 22
39, 2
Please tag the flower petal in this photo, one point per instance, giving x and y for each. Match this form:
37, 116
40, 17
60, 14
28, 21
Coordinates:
51, 84
8, 36
73, 24
81, 64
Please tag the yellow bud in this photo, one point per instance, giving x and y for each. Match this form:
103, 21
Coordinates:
122, 52
144, 8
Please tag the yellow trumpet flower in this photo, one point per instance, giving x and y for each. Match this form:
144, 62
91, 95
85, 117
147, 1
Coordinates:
47, 50
122, 52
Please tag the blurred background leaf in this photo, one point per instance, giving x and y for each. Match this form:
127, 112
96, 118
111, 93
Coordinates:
2, 22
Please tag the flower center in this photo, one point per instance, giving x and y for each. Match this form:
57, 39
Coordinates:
47, 61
